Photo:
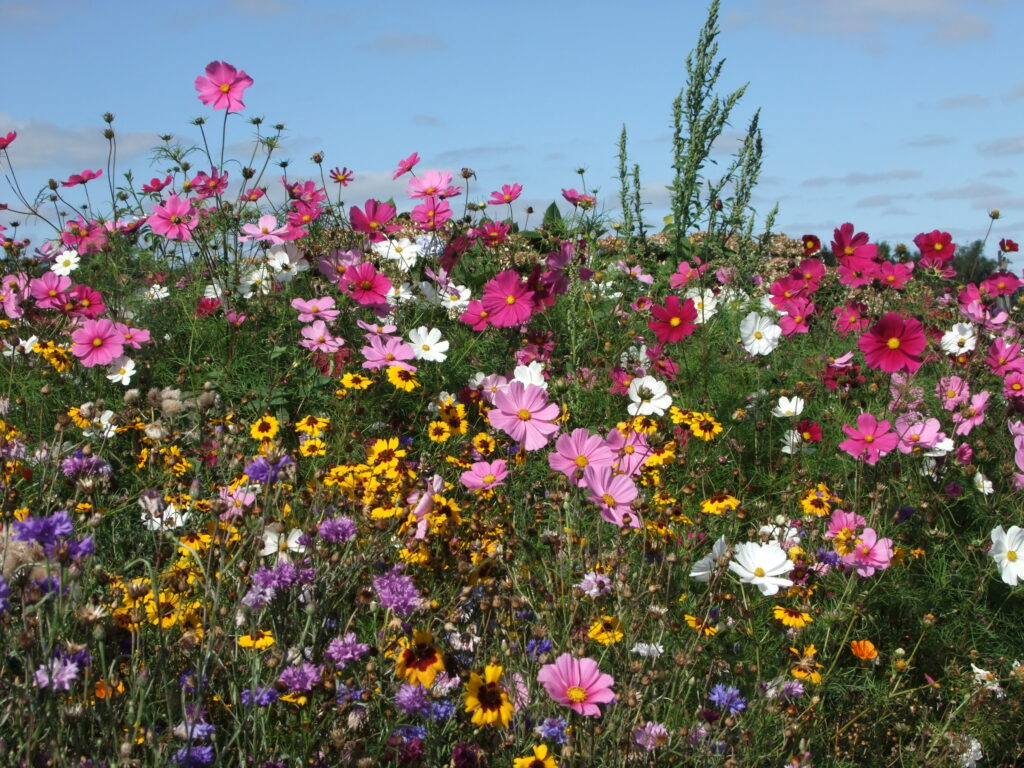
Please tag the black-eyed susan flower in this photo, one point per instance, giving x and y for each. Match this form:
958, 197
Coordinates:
719, 504
487, 700
792, 617
355, 381
402, 379
607, 630
539, 759
265, 428
313, 447
312, 425
260, 640
702, 626
805, 666
418, 661
704, 426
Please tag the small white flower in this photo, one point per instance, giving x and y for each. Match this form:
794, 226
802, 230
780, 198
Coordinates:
762, 565
399, 293
705, 302
982, 484
961, 338
703, 569
121, 369
530, 374
649, 396
404, 252
285, 262
275, 542
256, 282
455, 298
792, 442
66, 263
101, 427
428, 345
164, 519
788, 407
1008, 552
760, 336
972, 754
156, 292
988, 680
648, 650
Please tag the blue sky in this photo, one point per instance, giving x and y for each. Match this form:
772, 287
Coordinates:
901, 116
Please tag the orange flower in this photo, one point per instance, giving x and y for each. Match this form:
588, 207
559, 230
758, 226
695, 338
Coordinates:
864, 649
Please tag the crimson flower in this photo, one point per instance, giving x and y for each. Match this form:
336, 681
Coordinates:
844, 242
673, 321
6, 141
507, 195
374, 221
493, 233
894, 343
1006, 245
811, 244
342, 176
936, 243
81, 178
404, 166
809, 431
155, 185
223, 86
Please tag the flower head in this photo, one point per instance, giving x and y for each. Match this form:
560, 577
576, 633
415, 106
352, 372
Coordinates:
577, 683
763, 565
1008, 552
894, 343
222, 86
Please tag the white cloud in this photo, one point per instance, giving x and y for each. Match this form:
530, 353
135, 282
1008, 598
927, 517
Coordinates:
41, 144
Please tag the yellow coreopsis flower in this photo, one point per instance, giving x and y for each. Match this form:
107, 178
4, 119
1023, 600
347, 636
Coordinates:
265, 428
806, 667
402, 379
438, 431
419, 661
487, 700
792, 617
704, 426
355, 381
539, 759
314, 447
260, 639
312, 425
607, 630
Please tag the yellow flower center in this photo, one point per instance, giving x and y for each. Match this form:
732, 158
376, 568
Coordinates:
937, 246
893, 343
758, 335
510, 300
1011, 556
674, 322
97, 342
608, 499
869, 438
490, 478
575, 694
582, 461
524, 415
759, 572
225, 87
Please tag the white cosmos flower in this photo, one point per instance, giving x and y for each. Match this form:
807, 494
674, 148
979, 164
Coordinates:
399, 294
961, 338
788, 407
530, 374
455, 299
705, 302
286, 262
982, 484
703, 569
792, 442
276, 542
428, 345
649, 396
404, 252
258, 281
648, 650
163, 519
121, 369
66, 263
1008, 552
156, 292
760, 336
762, 565
101, 427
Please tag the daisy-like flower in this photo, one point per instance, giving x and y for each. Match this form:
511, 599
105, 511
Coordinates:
788, 407
525, 414
418, 661
265, 428
97, 342
762, 565
121, 369
487, 700
222, 86
402, 251
578, 684
507, 300
649, 396
962, 337
276, 542
66, 263
870, 440
791, 617
894, 343
175, 218
613, 493
428, 345
576, 451
1008, 552
540, 757
704, 568
607, 630
864, 650
484, 475
759, 335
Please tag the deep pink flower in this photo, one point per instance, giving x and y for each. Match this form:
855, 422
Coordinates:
81, 178
1004, 357
843, 522
155, 185
860, 268
507, 300
208, 185
579, 199
49, 290
97, 342
523, 411
134, 337
673, 321
222, 86
493, 233
431, 213
85, 301
507, 195
484, 475
797, 312
6, 141
849, 318
316, 309
614, 494
365, 284
1001, 284
578, 450
936, 244
870, 553
374, 220
844, 242
1013, 385
342, 176
971, 415
685, 273
404, 166
893, 274
304, 191
786, 289
894, 343
871, 440
174, 219
475, 316
578, 684
84, 236
810, 272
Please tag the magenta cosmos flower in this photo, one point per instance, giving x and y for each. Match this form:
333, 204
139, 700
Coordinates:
871, 440
484, 475
97, 342
175, 219
523, 411
508, 193
223, 86
365, 284
373, 220
894, 343
507, 300
578, 684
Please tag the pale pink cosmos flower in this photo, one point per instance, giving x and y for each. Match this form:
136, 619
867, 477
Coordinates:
133, 337
97, 342
953, 392
870, 440
918, 433
431, 213
632, 450
523, 411
316, 309
174, 219
578, 684
387, 351
870, 553
576, 451
430, 184
491, 385
484, 475
317, 337
265, 230
844, 524
222, 86
614, 494
972, 415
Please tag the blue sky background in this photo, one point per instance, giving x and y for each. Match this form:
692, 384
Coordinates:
901, 116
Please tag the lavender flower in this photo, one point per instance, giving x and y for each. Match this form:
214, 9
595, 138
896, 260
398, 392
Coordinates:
595, 584
727, 698
397, 592
553, 729
59, 674
412, 699
193, 757
263, 472
259, 697
340, 651
651, 736
337, 530
300, 677
442, 710
79, 465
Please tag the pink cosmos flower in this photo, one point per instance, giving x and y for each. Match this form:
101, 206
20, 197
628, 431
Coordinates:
491, 385
578, 450
849, 318
317, 337
475, 316
917, 433
844, 242
936, 243
685, 273
870, 553
1004, 357
430, 184
674, 321
316, 309
155, 185
971, 416
387, 351
507, 300
374, 220
632, 450
81, 178
523, 411
84, 236
404, 166
493, 233
97, 342
431, 213
484, 475
578, 684
871, 440
797, 312
894, 275
953, 391
265, 231
208, 185
810, 272
579, 199
222, 86
365, 284
894, 343
133, 337
6, 141
174, 219
613, 493
85, 301
844, 524
507, 195
860, 268
1013, 385
49, 290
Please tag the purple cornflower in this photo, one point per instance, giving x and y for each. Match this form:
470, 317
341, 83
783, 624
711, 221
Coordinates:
194, 727
300, 677
651, 736
535, 647
346, 694
260, 697
791, 690
193, 757
412, 699
45, 531
397, 592
79, 465
340, 651
59, 674
727, 698
337, 530
263, 472
5, 592
553, 729
443, 710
